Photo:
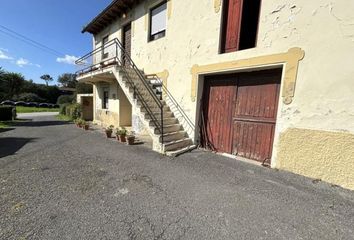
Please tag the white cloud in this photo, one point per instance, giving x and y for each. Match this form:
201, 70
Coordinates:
21, 62
67, 59
4, 56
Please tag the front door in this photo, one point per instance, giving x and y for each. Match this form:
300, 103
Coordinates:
240, 113
126, 44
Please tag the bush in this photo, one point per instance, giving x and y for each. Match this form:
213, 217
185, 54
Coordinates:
73, 110
65, 99
7, 113
29, 97
62, 108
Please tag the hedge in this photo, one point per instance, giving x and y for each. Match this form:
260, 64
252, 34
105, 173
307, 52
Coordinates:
71, 110
65, 99
7, 113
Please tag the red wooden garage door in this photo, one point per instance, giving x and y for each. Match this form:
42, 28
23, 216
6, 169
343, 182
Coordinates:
240, 113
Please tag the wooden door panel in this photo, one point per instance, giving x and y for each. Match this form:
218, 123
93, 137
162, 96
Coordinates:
253, 140
254, 114
218, 112
257, 96
232, 24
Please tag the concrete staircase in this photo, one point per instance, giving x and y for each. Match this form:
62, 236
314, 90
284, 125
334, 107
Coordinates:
175, 139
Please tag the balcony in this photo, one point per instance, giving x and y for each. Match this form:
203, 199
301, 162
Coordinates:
100, 58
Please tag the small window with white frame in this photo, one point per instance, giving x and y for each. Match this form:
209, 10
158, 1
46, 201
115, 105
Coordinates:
158, 21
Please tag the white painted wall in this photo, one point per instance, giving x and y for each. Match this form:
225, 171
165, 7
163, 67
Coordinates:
324, 29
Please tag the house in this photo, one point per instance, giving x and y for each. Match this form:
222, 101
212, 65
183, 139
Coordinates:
270, 81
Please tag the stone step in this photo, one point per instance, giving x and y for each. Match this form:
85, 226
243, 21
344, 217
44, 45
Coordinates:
169, 129
154, 108
179, 144
166, 121
158, 115
173, 136
174, 153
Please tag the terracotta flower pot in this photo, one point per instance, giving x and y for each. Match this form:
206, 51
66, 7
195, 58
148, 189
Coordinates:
131, 140
86, 127
108, 134
122, 138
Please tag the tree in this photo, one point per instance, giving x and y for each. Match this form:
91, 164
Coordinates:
29, 97
65, 99
84, 88
47, 78
10, 84
67, 80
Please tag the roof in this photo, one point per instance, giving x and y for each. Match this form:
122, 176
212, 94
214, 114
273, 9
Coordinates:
113, 11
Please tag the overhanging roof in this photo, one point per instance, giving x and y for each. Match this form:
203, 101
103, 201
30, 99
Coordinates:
113, 11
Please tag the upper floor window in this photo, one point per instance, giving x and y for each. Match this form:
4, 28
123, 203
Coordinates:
240, 24
104, 48
105, 99
158, 21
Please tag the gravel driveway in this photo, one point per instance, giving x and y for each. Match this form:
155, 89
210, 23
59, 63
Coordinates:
60, 182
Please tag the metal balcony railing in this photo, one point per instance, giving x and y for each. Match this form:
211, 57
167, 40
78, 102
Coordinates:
113, 53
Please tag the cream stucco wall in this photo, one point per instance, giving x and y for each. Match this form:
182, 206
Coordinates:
323, 99
119, 111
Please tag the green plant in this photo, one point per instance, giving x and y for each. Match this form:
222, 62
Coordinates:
121, 131
62, 108
79, 122
7, 113
73, 110
131, 137
65, 99
109, 128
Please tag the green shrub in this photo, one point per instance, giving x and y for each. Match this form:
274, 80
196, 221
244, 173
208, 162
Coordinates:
73, 110
29, 97
65, 99
62, 108
7, 113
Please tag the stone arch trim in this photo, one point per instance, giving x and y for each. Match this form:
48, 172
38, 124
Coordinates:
290, 61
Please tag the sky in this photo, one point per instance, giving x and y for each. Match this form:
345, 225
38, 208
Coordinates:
55, 24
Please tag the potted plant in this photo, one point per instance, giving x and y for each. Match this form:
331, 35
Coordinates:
121, 134
79, 122
131, 138
108, 130
85, 125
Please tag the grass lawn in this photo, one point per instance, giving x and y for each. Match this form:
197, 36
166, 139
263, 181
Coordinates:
64, 117
20, 109
7, 124
4, 124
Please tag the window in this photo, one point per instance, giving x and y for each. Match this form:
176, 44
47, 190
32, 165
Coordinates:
240, 24
105, 100
158, 21
104, 48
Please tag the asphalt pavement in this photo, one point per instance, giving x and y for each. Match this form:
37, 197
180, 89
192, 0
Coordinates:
61, 182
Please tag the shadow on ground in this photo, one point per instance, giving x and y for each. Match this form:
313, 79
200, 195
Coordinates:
6, 129
40, 123
10, 145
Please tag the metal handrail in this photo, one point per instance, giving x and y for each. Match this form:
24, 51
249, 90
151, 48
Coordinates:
173, 100
124, 59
